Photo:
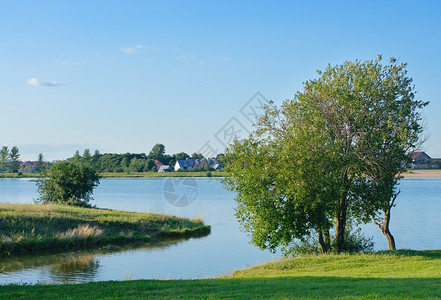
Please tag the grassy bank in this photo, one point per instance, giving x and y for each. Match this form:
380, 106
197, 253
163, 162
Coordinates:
26, 228
219, 173
397, 275
132, 174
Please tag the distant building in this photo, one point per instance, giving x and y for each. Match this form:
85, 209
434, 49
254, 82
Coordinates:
419, 156
184, 164
191, 163
158, 164
165, 168
422, 161
28, 167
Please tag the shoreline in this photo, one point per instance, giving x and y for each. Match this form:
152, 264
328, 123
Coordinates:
422, 173
409, 174
34, 228
401, 274
207, 174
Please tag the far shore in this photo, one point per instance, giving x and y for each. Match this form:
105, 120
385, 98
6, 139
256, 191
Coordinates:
422, 173
218, 173
409, 174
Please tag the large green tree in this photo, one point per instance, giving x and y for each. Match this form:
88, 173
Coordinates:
330, 155
68, 183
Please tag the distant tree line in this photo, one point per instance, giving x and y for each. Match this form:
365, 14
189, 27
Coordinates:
101, 163
10, 161
132, 162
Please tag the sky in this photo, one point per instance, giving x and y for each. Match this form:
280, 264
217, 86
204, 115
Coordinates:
121, 76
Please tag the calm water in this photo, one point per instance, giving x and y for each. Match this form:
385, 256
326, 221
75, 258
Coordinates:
416, 224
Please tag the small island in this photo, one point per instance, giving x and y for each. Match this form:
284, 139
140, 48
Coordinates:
30, 228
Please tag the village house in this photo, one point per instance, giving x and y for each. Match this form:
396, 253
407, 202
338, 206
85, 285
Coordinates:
165, 168
422, 161
191, 163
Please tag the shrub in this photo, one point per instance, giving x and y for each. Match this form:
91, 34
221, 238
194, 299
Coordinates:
68, 183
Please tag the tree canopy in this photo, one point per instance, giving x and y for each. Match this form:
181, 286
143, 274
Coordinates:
329, 156
68, 183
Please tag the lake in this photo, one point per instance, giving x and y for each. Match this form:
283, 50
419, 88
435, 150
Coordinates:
416, 223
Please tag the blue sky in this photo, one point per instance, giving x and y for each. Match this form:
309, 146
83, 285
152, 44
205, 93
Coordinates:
121, 76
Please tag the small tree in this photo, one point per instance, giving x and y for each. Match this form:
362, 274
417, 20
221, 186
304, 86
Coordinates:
40, 163
68, 183
4, 158
14, 157
157, 152
181, 156
87, 157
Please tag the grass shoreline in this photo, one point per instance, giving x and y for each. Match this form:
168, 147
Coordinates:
132, 174
409, 174
31, 228
402, 274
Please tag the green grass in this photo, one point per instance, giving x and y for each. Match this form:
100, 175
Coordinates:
26, 228
16, 175
386, 275
217, 173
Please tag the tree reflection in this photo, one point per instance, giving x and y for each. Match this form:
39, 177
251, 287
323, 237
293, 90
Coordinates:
70, 267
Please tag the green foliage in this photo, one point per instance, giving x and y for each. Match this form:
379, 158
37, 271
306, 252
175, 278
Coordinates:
328, 156
157, 152
355, 241
4, 158
87, 157
14, 157
197, 156
181, 155
68, 183
9, 159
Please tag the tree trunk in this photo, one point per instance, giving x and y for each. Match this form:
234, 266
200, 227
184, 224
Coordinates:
390, 240
386, 231
340, 228
324, 240
340, 220
327, 239
321, 242
384, 226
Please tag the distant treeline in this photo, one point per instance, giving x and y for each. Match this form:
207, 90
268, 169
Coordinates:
10, 162
102, 163
135, 162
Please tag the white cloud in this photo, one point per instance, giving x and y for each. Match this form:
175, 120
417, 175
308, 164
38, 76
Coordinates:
38, 82
132, 50
184, 56
226, 58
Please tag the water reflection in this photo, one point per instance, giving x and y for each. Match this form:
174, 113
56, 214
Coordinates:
415, 224
70, 267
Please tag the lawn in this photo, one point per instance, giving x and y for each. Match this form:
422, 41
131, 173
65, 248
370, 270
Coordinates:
386, 275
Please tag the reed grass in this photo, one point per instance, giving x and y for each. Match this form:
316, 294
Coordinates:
26, 228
